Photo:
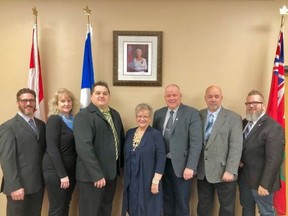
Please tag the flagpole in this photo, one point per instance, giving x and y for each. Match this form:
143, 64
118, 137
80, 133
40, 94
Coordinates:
276, 109
87, 70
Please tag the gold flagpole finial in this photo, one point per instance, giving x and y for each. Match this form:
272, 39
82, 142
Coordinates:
87, 12
35, 13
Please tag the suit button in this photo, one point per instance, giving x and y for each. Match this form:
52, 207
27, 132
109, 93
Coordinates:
206, 158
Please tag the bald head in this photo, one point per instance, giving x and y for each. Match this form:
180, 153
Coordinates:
213, 97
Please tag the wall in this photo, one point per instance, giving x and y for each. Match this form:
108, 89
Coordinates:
228, 43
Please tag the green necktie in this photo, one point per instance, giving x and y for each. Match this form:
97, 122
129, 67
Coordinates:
108, 117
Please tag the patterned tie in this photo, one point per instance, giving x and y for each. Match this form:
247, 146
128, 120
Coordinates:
108, 117
209, 127
33, 126
248, 129
167, 131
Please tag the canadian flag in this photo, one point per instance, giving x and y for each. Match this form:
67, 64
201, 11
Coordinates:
35, 76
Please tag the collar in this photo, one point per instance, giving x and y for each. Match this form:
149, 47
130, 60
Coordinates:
25, 117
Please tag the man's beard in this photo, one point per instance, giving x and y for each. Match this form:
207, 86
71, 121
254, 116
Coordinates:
253, 116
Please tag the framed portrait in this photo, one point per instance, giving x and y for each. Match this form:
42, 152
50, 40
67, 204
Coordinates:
137, 58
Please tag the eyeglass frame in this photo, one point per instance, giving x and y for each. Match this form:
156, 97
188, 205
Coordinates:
253, 103
25, 101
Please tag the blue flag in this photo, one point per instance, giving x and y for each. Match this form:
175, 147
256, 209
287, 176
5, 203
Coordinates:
87, 71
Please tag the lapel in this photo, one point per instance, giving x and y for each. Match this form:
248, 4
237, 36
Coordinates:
217, 125
180, 113
25, 125
162, 116
256, 127
93, 109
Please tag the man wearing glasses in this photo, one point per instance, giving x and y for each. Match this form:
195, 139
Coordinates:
262, 155
22, 145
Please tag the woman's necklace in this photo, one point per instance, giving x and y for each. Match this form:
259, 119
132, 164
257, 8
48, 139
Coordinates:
137, 138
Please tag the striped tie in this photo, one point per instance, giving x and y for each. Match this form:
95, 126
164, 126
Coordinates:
108, 117
33, 126
248, 129
208, 129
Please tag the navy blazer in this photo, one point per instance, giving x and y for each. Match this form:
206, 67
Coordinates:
150, 158
263, 151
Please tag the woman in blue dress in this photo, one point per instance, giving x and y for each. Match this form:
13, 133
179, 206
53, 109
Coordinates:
144, 163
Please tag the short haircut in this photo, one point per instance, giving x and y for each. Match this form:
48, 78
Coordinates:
25, 91
144, 106
256, 92
100, 83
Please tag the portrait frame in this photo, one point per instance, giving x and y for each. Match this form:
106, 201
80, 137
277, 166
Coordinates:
137, 58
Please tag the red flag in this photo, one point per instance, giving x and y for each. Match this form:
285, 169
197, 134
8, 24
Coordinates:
35, 76
276, 110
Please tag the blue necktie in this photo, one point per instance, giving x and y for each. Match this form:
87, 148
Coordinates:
209, 127
33, 126
248, 129
167, 131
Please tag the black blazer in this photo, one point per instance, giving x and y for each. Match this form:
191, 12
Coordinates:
263, 151
21, 153
95, 144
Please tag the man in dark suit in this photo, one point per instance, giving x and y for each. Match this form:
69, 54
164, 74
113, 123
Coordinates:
182, 131
99, 135
22, 145
262, 155
220, 156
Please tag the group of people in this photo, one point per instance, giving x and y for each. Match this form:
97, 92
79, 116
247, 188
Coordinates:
161, 155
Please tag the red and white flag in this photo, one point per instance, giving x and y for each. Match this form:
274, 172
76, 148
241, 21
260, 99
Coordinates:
276, 110
35, 76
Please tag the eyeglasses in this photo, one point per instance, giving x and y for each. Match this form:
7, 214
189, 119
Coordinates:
144, 117
253, 103
25, 101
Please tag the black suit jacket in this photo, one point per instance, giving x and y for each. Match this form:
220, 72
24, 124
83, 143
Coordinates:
95, 144
263, 151
21, 152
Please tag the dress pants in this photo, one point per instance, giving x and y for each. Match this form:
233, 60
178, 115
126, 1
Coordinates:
226, 192
59, 198
30, 206
176, 192
96, 201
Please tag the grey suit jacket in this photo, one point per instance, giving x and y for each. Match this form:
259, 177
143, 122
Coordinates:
95, 145
186, 137
223, 150
21, 153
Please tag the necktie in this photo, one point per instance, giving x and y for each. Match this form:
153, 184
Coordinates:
33, 126
248, 129
167, 131
108, 117
209, 127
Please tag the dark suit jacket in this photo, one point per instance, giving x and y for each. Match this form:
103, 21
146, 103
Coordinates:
21, 154
95, 144
149, 158
186, 137
223, 150
263, 151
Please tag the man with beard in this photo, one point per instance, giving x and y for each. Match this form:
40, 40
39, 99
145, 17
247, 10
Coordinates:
22, 145
261, 158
